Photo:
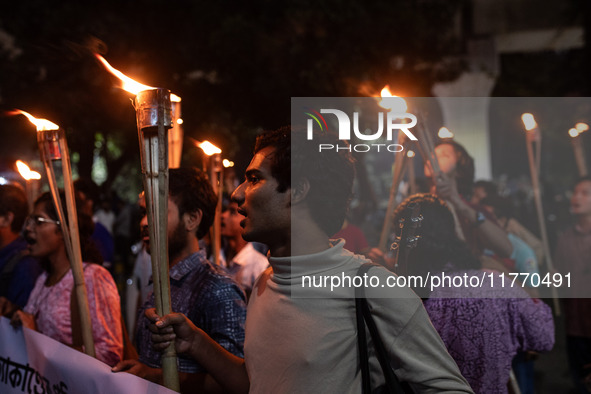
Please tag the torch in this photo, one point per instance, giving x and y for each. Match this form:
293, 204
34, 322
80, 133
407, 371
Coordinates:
578, 147
53, 147
175, 133
154, 119
532, 135
212, 164
31, 184
396, 105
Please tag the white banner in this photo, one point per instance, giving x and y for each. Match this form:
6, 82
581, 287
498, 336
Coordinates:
33, 363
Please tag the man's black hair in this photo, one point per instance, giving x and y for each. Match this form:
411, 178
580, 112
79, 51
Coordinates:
582, 179
330, 173
13, 199
191, 191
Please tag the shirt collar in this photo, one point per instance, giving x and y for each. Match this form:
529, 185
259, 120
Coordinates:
187, 265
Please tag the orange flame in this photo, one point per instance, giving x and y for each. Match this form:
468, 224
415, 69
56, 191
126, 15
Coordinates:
392, 102
227, 163
581, 127
26, 172
41, 124
129, 84
209, 148
528, 121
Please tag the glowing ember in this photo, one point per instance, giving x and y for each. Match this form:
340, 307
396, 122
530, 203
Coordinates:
394, 103
227, 163
26, 172
209, 148
41, 124
528, 121
445, 133
581, 127
573, 132
410, 153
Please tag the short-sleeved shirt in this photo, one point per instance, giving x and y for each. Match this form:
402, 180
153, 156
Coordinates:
209, 298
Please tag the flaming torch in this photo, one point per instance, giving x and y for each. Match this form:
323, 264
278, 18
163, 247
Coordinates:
394, 104
53, 147
154, 118
175, 133
213, 165
578, 147
532, 135
30, 177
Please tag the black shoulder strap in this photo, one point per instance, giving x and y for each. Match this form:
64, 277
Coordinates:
393, 385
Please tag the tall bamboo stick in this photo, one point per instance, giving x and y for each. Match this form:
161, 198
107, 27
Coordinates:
532, 135
53, 147
154, 117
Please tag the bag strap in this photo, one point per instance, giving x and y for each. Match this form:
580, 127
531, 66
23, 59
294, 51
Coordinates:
393, 385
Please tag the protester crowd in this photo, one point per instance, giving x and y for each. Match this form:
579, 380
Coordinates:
248, 325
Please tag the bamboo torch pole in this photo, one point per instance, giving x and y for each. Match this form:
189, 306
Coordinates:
578, 151
53, 148
154, 117
532, 134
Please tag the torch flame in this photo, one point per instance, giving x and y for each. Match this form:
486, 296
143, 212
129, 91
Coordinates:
392, 102
573, 133
445, 133
41, 124
528, 121
209, 148
581, 127
26, 172
129, 84
227, 163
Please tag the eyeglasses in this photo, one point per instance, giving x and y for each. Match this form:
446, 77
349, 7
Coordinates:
38, 220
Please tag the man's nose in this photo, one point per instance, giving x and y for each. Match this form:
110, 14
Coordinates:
238, 195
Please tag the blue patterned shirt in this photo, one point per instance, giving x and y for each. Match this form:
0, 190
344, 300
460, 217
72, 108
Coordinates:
210, 299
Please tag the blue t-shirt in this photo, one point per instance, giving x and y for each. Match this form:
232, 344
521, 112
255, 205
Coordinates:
25, 272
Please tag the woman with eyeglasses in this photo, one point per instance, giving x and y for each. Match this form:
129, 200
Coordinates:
49, 307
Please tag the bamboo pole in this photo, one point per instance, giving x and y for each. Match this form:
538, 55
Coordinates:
53, 147
579, 155
153, 111
427, 150
531, 136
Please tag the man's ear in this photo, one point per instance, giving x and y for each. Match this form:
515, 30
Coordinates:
192, 220
6, 219
299, 190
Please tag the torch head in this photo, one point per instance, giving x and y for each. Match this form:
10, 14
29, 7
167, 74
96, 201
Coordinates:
148, 104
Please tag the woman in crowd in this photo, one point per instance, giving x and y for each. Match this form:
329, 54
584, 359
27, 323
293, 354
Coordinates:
482, 327
49, 307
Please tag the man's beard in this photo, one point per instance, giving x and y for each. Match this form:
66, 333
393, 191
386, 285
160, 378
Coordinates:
177, 241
